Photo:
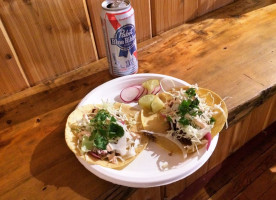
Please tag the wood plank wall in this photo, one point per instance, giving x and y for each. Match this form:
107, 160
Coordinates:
43, 39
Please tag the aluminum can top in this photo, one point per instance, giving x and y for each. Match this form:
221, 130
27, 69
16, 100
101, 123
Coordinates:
113, 5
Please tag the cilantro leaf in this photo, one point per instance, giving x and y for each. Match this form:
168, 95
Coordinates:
115, 130
187, 106
169, 119
100, 116
112, 119
184, 107
199, 112
103, 132
194, 103
191, 92
184, 121
105, 128
100, 141
212, 120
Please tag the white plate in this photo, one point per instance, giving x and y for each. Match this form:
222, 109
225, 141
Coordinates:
146, 170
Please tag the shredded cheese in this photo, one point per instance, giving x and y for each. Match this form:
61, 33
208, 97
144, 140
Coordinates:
124, 146
200, 124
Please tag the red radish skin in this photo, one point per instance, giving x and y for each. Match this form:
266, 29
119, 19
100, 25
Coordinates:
141, 89
94, 155
145, 92
129, 94
156, 90
208, 137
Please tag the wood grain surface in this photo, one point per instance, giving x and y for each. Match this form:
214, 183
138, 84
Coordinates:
205, 6
166, 14
95, 8
221, 3
190, 10
143, 22
11, 74
230, 51
49, 37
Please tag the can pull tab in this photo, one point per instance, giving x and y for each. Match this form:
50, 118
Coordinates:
117, 4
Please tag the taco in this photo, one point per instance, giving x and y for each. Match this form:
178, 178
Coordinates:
190, 118
105, 135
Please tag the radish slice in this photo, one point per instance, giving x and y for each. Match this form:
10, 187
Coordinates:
208, 137
166, 84
129, 94
144, 93
94, 155
141, 89
156, 90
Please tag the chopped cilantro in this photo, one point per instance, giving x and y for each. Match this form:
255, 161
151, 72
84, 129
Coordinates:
105, 128
184, 107
169, 119
199, 112
187, 106
115, 130
212, 120
184, 121
100, 116
194, 103
191, 92
195, 112
112, 119
100, 141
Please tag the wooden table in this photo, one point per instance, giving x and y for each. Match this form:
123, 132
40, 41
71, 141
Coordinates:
231, 51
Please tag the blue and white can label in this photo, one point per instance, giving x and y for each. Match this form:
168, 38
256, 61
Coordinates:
120, 40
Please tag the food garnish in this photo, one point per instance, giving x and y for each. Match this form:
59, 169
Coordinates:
135, 92
105, 134
151, 85
151, 103
145, 101
194, 115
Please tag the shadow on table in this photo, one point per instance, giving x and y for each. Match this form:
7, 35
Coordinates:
54, 164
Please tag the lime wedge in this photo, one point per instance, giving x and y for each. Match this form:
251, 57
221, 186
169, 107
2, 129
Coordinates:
151, 84
157, 104
145, 101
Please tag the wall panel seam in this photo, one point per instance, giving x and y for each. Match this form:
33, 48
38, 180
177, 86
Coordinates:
268, 115
87, 14
150, 19
9, 42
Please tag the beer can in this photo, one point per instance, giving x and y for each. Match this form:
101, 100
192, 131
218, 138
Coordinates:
118, 24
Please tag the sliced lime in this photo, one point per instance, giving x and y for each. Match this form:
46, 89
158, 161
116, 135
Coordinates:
157, 104
145, 101
151, 84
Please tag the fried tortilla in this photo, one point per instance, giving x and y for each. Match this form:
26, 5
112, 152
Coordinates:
73, 141
158, 123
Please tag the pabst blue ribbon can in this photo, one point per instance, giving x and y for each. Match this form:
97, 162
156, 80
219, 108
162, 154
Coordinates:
120, 37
